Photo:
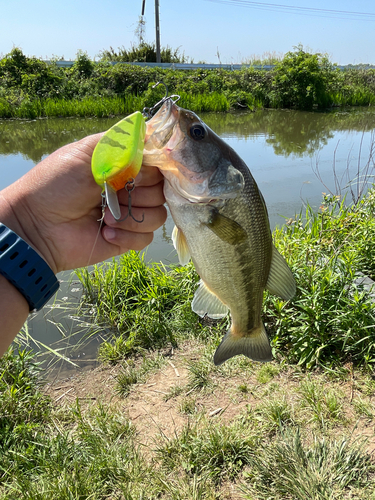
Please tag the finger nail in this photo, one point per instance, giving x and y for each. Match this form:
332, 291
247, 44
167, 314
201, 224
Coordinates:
109, 233
138, 178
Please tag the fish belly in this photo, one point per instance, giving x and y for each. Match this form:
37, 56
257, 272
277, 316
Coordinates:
235, 273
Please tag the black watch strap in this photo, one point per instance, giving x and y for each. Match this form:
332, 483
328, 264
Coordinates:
22, 266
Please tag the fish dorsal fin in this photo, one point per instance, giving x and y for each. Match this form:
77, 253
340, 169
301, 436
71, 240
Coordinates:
180, 244
280, 279
226, 229
206, 302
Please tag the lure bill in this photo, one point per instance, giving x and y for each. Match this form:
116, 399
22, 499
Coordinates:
117, 159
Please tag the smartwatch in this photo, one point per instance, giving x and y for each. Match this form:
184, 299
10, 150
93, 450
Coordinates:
22, 266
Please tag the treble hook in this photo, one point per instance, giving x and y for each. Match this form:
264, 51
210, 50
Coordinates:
129, 186
148, 112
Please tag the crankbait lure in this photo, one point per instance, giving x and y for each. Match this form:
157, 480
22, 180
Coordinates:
118, 155
117, 159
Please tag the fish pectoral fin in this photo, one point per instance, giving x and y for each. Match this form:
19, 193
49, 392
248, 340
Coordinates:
226, 229
255, 346
280, 279
207, 303
180, 244
112, 201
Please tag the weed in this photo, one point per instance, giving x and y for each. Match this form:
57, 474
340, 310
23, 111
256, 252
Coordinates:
275, 413
325, 405
131, 373
211, 451
200, 373
187, 406
288, 469
363, 408
173, 392
243, 388
267, 372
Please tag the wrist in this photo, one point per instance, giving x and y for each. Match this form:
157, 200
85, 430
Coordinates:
18, 217
25, 269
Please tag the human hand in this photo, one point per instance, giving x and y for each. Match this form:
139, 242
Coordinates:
56, 208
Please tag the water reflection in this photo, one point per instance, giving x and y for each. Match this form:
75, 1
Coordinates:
34, 139
289, 132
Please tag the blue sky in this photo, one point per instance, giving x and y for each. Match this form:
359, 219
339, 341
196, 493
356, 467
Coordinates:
238, 30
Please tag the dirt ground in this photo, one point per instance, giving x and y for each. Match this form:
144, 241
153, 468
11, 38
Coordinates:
155, 413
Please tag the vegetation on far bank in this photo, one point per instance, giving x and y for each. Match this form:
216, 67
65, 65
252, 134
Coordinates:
32, 88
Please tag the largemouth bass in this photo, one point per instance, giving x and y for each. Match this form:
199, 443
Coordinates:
221, 224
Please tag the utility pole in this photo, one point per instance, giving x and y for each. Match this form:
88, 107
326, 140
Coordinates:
157, 25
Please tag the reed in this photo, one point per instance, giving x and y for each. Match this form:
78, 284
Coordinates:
201, 102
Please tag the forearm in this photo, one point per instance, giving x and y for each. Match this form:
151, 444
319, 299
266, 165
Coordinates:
14, 310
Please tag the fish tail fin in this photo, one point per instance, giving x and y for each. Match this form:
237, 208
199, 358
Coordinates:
255, 346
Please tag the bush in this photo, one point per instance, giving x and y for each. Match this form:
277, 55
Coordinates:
301, 80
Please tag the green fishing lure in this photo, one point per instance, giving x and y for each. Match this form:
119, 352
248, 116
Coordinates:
117, 158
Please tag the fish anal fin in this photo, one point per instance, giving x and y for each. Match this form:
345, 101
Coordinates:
207, 303
280, 279
180, 244
255, 346
226, 229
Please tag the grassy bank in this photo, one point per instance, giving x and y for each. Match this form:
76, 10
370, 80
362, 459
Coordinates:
159, 420
239, 431
103, 107
301, 80
329, 322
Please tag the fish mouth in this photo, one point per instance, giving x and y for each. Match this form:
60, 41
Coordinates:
163, 121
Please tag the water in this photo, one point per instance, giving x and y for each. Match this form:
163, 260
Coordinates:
283, 149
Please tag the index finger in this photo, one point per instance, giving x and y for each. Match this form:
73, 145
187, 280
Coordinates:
148, 176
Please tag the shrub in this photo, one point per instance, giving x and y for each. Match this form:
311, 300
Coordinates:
301, 80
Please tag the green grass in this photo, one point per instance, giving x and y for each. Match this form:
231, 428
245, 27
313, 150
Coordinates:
284, 430
321, 471
89, 106
269, 449
329, 321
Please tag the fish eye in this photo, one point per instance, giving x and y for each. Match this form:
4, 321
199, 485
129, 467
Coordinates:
197, 132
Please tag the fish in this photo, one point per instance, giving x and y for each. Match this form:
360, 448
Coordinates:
221, 223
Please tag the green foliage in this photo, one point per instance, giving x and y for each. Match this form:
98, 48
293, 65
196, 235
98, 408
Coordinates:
301, 80
144, 52
215, 451
331, 318
144, 306
22, 405
321, 471
83, 67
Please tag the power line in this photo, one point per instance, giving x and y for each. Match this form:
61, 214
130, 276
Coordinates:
309, 11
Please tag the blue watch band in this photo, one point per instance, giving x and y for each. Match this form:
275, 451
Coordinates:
22, 266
